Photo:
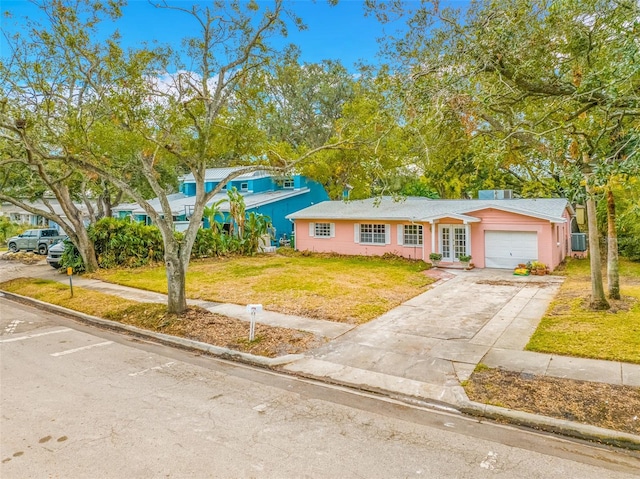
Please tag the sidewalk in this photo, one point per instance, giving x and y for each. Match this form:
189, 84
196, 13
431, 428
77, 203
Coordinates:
422, 350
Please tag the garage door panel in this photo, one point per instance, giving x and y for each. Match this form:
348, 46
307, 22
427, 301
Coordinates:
505, 249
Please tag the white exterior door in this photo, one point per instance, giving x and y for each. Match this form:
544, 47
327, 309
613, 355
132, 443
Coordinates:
505, 249
453, 242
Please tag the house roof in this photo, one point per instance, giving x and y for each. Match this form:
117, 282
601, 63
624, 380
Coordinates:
219, 174
181, 204
426, 210
155, 203
7, 208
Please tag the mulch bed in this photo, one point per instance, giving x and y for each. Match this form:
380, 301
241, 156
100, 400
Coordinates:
201, 325
604, 405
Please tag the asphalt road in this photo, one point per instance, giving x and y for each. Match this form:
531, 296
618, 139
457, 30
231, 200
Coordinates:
80, 402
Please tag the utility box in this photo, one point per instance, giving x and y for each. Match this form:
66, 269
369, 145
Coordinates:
578, 241
495, 194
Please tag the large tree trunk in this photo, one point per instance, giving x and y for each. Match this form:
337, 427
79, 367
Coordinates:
613, 273
176, 279
598, 299
87, 251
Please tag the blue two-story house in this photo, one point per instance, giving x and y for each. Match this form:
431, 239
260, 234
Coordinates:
263, 193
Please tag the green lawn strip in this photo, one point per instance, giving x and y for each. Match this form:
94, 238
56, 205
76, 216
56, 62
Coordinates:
83, 300
346, 289
570, 328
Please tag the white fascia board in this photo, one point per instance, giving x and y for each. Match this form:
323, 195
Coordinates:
518, 211
286, 195
465, 218
360, 219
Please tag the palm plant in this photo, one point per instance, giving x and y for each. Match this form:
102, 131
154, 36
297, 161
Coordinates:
210, 213
237, 210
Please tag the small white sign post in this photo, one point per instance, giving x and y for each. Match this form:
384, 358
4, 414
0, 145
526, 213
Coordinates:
253, 309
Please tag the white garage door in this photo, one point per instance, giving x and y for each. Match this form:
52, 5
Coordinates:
505, 249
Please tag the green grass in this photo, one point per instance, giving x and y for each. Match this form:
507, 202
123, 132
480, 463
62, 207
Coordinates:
570, 328
83, 300
345, 289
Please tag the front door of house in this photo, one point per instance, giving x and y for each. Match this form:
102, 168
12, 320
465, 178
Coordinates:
453, 242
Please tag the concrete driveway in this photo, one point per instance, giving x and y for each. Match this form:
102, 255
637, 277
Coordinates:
441, 335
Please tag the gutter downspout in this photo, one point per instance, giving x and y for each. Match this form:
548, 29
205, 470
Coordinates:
433, 235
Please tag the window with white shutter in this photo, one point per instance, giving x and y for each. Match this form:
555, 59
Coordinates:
323, 230
374, 234
412, 235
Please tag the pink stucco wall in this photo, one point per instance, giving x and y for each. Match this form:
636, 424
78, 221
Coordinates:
343, 241
554, 240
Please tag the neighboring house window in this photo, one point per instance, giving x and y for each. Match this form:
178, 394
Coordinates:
322, 230
374, 234
288, 184
244, 186
412, 235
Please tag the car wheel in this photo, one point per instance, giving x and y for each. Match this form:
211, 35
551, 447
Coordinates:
13, 247
42, 249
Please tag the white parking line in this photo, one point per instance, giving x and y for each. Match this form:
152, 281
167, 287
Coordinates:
71, 351
29, 336
11, 328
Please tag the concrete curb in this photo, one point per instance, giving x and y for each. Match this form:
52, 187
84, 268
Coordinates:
160, 337
463, 404
549, 424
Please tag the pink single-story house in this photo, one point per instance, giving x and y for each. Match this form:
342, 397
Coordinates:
497, 233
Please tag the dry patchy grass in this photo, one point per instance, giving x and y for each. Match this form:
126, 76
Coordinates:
196, 323
83, 300
338, 288
570, 328
604, 405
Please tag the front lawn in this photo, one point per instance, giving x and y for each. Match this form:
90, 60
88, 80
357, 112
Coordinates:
570, 328
337, 288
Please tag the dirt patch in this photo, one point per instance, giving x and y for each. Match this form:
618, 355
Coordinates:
604, 405
201, 325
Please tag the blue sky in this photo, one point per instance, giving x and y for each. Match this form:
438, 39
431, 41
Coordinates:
338, 33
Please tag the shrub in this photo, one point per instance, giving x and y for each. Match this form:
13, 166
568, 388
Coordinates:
9, 228
71, 258
121, 242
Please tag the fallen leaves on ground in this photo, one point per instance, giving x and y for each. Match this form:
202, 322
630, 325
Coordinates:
604, 405
27, 257
201, 325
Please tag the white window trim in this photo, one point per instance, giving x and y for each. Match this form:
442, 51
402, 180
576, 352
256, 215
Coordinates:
401, 241
387, 234
332, 230
288, 184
